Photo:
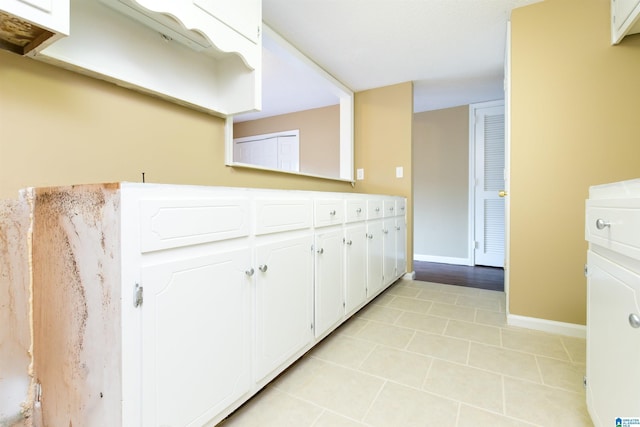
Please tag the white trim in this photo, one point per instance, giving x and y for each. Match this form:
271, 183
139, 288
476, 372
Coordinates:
569, 329
471, 242
507, 163
410, 275
442, 259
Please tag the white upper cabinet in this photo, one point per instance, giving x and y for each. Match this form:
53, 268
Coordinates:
210, 26
203, 54
625, 19
33, 23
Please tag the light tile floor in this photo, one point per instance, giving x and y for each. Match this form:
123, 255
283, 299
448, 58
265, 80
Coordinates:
427, 354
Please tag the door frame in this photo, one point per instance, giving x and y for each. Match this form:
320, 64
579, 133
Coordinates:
472, 174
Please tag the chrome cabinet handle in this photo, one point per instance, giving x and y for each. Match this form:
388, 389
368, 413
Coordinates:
332, 213
349, 242
398, 227
321, 251
634, 320
377, 209
370, 236
262, 267
391, 208
385, 231
249, 272
602, 224
359, 210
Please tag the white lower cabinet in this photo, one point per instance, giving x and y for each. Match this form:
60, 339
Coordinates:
355, 263
196, 337
389, 239
612, 228
613, 344
329, 285
375, 257
283, 301
401, 245
175, 304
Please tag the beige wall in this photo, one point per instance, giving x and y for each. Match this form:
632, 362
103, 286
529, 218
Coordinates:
319, 136
441, 184
575, 123
58, 127
383, 142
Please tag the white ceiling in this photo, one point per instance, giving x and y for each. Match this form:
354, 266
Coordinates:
453, 50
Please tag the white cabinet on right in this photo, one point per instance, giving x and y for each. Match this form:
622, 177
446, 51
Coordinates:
613, 302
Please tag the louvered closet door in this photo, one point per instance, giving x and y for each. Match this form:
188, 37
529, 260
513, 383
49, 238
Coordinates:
489, 206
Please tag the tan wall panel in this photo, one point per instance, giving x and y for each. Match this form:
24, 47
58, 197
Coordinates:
383, 127
441, 182
319, 136
574, 124
61, 128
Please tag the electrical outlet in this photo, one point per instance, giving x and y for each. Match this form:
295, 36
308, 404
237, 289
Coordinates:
360, 174
399, 172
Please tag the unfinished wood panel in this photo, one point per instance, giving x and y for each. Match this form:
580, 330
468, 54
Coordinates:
16, 384
76, 298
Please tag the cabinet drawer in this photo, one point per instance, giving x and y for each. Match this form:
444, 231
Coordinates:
329, 212
174, 223
389, 207
401, 206
374, 209
614, 227
278, 215
356, 210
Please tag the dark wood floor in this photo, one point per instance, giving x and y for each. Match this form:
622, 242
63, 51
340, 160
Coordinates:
491, 278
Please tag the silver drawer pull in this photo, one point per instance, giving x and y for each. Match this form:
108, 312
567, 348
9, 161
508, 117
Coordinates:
391, 208
263, 268
634, 320
333, 212
359, 210
602, 224
321, 251
349, 242
369, 236
377, 209
250, 272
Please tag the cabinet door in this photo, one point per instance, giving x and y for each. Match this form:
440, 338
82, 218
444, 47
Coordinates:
355, 266
284, 301
613, 345
401, 246
329, 289
375, 250
390, 255
195, 337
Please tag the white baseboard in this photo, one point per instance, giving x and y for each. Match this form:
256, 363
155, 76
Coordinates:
410, 275
442, 259
569, 329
